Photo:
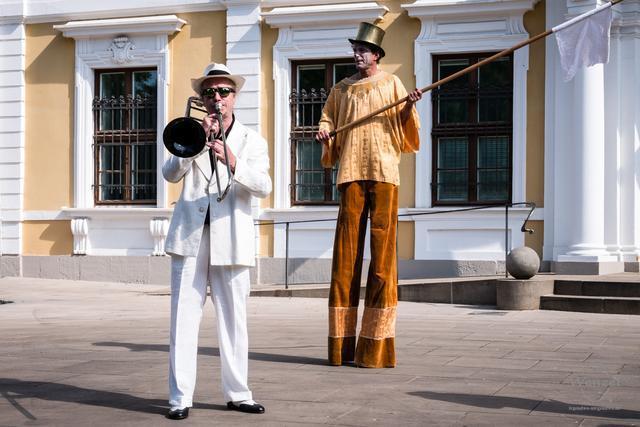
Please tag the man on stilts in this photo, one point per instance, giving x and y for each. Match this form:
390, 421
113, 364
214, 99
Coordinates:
368, 177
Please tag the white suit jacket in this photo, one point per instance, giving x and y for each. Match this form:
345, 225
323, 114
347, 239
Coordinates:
232, 230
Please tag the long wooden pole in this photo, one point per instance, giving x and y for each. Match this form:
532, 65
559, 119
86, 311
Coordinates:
449, 78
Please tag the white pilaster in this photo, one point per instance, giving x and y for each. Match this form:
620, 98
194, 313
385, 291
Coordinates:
12, 135
243, 57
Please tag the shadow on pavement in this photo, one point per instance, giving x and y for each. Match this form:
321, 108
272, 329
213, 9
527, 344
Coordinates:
13, 390
550, 406
213, 351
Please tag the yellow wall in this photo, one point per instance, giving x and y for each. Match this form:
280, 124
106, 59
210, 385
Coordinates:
535, 23
535, 240
47, 238
401, 31
406, 240
202, 40
267, 120
49, 93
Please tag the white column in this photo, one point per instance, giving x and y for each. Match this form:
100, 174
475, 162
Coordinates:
635, 136
587, 212
585, 176
626, 46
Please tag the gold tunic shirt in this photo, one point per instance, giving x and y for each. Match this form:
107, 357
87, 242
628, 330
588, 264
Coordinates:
370, 150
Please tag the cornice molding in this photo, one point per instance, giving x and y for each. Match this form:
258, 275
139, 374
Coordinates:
321, 15
35, 12
287, 3
147, 25
443, 9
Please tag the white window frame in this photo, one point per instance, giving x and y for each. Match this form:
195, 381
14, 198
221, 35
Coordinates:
96, 48
305, 32
451, 26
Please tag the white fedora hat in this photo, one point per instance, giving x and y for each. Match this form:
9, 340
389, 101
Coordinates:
216, 70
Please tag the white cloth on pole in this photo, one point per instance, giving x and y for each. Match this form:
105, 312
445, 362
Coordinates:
584, 40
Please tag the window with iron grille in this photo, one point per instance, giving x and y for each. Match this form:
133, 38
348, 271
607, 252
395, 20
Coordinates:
124, 123
311, 82
472, 131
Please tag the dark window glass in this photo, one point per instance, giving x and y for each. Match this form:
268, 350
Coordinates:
311, 183
472, 131
125, 121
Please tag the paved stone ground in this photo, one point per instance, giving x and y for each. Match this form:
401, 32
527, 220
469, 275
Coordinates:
86, 353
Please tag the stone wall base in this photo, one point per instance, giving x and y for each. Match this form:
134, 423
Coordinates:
157, 270
588, 268
124, 269
318, 270
10, 266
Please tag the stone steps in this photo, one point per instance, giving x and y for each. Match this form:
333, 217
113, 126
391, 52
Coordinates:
597, 288
591, 304
472, 291
594, 295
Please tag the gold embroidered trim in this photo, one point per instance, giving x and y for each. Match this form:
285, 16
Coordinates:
342, 321
378, 323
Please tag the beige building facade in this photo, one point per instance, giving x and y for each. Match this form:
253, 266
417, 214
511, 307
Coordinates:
87, 87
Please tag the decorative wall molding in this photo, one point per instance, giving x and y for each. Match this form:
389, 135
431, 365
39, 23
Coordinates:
94, 43
119, 231
122, 48
159, 227
103, 44
449, 26
326, 38
145, 25
80, 231
36, 11
323, 15
305, 32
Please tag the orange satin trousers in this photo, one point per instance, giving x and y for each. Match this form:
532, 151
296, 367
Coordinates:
376, 342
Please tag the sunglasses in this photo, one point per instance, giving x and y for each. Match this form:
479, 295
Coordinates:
210, 92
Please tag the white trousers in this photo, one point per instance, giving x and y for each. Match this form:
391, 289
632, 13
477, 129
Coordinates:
230, 285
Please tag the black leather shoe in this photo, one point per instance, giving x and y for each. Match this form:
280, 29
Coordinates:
255, 408
178, 414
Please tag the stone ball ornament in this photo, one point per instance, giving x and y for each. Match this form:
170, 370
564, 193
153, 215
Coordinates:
523, 263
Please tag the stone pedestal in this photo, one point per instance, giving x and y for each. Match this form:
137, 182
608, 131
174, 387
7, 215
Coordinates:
513, 294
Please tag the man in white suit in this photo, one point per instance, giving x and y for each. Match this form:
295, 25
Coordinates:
211, 244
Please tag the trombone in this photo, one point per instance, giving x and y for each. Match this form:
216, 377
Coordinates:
185, 137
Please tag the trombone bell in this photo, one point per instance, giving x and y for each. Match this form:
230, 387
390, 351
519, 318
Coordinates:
184, 137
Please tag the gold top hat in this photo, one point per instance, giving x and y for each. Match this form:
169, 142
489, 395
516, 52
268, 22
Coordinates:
371, 35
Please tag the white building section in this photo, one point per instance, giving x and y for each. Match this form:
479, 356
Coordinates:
591, 151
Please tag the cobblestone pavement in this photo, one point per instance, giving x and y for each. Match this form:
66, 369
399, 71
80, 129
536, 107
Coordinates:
86, 353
